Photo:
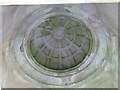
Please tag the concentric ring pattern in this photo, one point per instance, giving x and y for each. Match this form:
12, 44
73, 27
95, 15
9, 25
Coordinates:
58, 45
60, 42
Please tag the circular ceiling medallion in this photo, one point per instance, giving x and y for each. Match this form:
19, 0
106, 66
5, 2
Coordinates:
60, 42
